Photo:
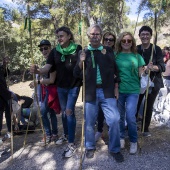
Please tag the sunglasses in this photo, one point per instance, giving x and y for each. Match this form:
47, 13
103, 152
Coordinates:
126, 41
108, 39
43, 49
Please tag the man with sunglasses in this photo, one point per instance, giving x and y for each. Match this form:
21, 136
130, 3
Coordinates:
46, 84
156, 66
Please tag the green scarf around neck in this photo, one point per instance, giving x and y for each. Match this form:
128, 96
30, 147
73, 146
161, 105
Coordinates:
92, 49
71, 49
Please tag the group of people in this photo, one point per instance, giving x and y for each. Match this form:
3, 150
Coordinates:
112, 86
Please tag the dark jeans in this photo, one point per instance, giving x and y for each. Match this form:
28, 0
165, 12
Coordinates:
149, 109
7, 116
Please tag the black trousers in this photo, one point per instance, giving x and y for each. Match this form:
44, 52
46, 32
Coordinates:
150, 103
7, 116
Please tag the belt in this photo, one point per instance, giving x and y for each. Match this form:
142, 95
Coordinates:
99, 86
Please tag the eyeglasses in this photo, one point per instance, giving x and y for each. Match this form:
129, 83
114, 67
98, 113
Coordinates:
108, 39
126, 41
45, 48
93, 34
143, 35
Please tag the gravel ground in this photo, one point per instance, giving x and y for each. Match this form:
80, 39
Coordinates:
154, 153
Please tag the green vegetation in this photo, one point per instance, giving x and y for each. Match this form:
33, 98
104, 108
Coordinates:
47, 15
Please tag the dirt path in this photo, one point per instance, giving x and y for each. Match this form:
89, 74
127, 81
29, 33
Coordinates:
155, 152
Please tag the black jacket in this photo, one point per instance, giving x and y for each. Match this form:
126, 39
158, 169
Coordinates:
5, 94
108, 71
157, 60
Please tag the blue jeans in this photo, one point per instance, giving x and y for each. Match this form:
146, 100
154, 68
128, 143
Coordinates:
109, 107
127, 105
46, 122
67, 99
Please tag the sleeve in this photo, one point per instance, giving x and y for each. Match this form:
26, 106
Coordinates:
116, 78
50, 59
159, 59
77, 72
141, 61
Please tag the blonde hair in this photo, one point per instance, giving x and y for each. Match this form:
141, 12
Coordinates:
118, 43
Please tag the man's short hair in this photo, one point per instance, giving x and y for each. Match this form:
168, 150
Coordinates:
145, 28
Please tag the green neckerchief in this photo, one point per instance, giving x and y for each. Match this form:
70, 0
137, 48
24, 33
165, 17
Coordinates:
71, 49
98, 77
91, 51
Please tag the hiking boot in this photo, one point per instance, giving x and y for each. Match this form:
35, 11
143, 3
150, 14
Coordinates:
61, 140
98, 136
48, 140
146, 134
90, 153
133, 147
54, 138
70, 150
118, 157
122, 143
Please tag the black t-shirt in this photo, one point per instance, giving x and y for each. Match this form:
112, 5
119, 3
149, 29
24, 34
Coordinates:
65, 78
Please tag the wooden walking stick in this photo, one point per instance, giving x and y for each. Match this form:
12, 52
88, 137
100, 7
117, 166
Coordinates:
28, 19
147, 90
82, 132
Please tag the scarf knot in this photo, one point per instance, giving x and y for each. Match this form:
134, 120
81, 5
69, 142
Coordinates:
71, 49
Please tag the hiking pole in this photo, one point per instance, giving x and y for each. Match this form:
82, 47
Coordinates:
82, 132
35, 89
147, 90
83, 93
12, 139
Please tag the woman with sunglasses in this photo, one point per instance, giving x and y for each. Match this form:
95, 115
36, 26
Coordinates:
130, 66
109, 40
64, 57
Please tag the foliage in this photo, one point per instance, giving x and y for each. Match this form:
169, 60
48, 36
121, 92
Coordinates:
47, 15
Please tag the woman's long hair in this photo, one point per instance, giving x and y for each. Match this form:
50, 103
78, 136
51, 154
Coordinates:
118, 43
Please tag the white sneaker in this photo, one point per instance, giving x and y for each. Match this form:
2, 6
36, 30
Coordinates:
98, 136
61, 140
133, 147
122, 143
70, 150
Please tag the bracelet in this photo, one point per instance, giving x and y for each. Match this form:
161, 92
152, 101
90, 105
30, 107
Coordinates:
39, 82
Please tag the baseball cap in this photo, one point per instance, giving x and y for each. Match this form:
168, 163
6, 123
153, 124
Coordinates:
44, 42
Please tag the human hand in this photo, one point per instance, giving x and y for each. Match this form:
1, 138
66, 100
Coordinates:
116, 92
31, 85
150, 66
82, 56
34, 69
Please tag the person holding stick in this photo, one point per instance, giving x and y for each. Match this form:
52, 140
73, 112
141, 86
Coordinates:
100, 85
64, 58
156, 67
